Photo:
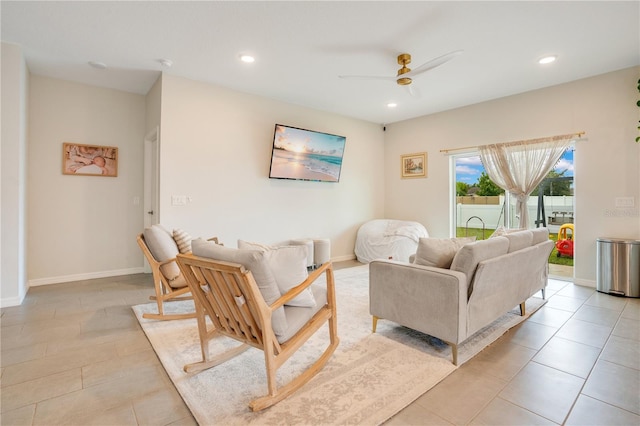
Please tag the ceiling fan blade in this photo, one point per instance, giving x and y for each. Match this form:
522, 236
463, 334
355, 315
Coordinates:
366, 77
433, 63
413, 91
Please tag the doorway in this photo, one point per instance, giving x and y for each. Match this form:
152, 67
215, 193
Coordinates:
151, 206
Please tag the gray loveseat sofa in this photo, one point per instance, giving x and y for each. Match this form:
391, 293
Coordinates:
485, 280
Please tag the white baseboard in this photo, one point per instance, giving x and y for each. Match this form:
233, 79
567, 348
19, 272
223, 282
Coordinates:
88, 276
11, 301
343, 258
584, 283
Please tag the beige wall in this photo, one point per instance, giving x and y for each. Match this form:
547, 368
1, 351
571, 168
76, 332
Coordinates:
607, 164
83, 226
13, 172
216, 149
216, 146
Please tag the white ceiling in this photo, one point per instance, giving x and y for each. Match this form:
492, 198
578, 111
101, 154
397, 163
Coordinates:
301, 47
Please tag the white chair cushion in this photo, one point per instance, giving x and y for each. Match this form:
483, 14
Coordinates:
256, 262
163, 247
289, 267
298, 317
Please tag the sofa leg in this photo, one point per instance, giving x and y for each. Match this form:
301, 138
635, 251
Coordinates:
522, 309
454, 353
375, 323
543, 293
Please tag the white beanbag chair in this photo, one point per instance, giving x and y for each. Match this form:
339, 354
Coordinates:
388, 238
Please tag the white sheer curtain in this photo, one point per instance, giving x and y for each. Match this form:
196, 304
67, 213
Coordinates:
519, 167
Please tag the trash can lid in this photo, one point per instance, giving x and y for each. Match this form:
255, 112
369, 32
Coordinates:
618, 240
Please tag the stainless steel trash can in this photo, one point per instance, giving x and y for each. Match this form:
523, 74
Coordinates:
618, 267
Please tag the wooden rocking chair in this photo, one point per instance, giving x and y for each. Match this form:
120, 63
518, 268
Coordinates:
227, 293
166, 290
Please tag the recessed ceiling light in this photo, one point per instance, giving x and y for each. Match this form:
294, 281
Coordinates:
98, 65
247, 58
392, 105
547, 59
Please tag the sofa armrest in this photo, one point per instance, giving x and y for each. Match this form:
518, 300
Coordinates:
424, 298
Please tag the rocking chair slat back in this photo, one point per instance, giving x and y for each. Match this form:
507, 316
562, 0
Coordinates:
228, 299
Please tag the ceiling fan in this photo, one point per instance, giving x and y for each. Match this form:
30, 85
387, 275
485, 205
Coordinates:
405, 74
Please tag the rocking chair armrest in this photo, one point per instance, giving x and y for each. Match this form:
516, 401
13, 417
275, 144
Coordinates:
294, 291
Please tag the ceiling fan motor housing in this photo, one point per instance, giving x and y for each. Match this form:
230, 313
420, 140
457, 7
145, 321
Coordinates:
404, 59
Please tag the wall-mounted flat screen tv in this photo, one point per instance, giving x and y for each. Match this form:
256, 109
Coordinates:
301, 154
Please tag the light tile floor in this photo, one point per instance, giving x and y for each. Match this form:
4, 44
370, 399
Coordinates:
74, 354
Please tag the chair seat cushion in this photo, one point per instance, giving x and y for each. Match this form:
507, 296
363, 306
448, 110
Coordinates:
178, 282
163, 247
297, 316
254, 261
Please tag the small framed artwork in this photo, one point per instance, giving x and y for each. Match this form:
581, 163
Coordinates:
414, 165
89, 160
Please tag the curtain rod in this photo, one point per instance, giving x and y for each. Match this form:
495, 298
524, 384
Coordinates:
528, 141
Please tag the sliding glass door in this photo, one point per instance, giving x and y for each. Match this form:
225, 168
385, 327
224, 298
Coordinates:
479, 206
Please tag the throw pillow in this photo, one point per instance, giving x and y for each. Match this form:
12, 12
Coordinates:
439, 252
163, 247
289, 267
500, 231
256, 262
183, 240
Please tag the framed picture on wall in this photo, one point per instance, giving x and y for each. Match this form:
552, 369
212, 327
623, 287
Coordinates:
89, 160
414, 165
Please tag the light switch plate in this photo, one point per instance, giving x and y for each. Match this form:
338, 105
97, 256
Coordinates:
625, 201
178, 200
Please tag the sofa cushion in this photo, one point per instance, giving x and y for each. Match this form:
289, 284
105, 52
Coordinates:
256, 262
163, 247
183, 240
540, 235
519, 240
289, 268
469, 255
501, 231
439, 252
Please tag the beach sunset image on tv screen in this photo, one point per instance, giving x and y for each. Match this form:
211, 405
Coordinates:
306, 155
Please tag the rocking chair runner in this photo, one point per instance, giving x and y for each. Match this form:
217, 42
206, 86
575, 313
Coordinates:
228, 294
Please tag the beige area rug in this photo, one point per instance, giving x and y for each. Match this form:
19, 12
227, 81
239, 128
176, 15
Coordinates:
369, 378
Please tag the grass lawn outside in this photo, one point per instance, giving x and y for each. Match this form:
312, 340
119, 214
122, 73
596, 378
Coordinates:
477, 232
